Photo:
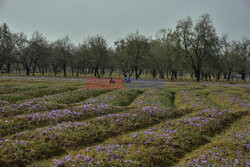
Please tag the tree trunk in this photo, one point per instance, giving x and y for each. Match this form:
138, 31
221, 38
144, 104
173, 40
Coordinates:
97, 73
218, 76
42, 70
1, 65
8, 68
103, 71
27, 70
225, 76
162, 74
55, 70
77, 72
154, 73
64, 70
198, 75
243, 76
205, 77
229, 76
34, 69
172, 75
209, 78
136, 72
175, 74
111, 72
130, 73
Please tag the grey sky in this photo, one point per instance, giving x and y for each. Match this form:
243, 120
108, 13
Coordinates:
115, 18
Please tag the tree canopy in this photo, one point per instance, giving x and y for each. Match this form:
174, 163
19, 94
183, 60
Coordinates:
192, 48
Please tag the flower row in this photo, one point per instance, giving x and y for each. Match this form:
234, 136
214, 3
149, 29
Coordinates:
48, 102
230, 101
192, 100
31, 121
230, 149
116, 97
72, 135
161, 145
38, 92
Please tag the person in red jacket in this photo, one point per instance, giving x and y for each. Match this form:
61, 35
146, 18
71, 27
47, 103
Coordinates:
111, 80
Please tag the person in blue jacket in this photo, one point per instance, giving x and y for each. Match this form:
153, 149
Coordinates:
127, 79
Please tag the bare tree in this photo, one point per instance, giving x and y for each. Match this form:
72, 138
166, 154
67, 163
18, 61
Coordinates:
97, 56
62, 54
7, 46
242, 51
135, 48
197, 41
23, 52
38, 49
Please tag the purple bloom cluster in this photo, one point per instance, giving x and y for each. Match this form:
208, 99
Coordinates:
154, 134
193, 100
132, 115
107, 98
197, 121
97, 155
214, 112
237, 100
14, 147
147, 115
231, 149
148, 98
64, 113
27, 107
3, 103
51, 131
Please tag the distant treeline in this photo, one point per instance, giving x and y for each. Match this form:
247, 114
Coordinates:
191, 48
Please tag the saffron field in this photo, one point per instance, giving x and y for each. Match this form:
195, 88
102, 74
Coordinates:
59, 122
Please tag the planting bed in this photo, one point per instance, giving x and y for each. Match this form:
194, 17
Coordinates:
53, 123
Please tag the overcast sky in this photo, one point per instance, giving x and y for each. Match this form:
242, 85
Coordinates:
115, 18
